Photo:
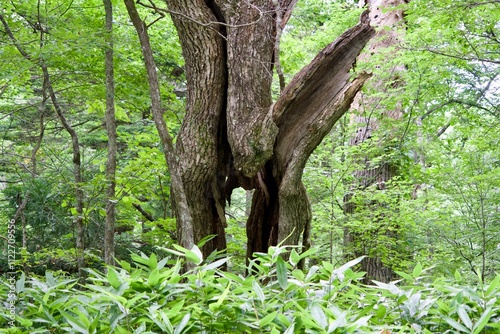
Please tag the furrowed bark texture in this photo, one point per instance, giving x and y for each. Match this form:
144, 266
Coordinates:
202, 145
251, 130
367, 115
233, 136
305, 112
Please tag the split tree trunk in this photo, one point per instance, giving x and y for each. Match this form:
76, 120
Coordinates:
233, 136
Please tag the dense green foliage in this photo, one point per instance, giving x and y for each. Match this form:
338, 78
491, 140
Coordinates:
152, 295
444, 204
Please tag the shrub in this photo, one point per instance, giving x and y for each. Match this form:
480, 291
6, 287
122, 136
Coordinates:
157, 296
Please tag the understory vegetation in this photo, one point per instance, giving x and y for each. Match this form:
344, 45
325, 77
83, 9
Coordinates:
151, 295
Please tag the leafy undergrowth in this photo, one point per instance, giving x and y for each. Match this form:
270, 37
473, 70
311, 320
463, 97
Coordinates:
151, 296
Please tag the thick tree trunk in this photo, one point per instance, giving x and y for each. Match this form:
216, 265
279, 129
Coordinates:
109, 229
367, 115
233, 136
202, 145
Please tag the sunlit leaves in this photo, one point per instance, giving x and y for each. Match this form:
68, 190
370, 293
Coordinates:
207, 299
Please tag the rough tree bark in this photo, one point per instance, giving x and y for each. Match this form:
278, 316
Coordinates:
234, 136
367, 114
109, 229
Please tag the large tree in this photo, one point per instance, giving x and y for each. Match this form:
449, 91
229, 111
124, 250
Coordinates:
233, 135
376, 169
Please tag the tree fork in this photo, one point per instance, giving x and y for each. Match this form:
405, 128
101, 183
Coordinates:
229, 50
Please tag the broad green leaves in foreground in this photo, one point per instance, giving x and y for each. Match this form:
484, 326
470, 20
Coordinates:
152, 296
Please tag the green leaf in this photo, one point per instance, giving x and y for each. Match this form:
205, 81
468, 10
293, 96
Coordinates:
84, 320
162, 263
175, 309
153, 262
493, 286
140, 259
381, 311
319, 315
120, 330
283, 319
24, 322
223, 296
483, 320
453, 323
141, 329
282, 273
125, 265
291, 329
93, 325
339, 272
75, 323
206, 239
462, 313
294, 257
113, 278
298, 274
121, 115
267, 319
20, 283
167, 325
417, 270
154, 278
215, 264
258, 291
182, 324
194, 255
405, 275
199, 255
49, 278
310, 251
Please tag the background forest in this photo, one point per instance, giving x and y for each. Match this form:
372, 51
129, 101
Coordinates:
439, 210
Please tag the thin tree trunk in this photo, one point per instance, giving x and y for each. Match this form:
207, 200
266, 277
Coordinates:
79, 199
79, 196
109, 230
184, 220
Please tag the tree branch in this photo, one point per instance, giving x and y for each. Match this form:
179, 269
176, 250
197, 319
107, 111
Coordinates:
316, 88
183, 213
144, 213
